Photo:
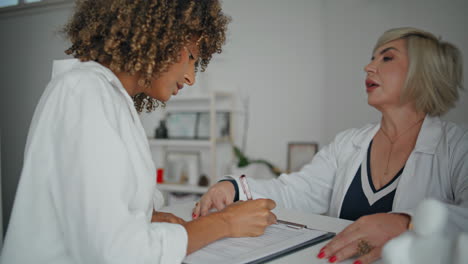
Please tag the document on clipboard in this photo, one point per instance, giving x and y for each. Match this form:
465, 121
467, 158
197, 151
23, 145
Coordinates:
278, 240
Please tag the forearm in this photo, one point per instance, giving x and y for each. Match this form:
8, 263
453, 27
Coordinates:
205, 230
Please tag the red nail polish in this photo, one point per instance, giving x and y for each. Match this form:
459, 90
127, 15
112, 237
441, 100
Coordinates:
357, 262
321, 254
194, 215
332, 259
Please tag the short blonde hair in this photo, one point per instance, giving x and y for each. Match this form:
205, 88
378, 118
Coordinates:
435, 70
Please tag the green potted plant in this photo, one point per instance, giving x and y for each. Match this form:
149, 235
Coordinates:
243, 161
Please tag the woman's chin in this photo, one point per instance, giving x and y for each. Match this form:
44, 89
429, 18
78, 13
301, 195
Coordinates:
161, 97
374, 103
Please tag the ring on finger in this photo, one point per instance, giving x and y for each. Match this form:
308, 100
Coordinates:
364, 247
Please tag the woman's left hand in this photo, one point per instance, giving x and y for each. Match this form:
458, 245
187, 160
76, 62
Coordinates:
365, 238
166, 217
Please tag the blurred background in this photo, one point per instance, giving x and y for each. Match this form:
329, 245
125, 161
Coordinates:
294, 69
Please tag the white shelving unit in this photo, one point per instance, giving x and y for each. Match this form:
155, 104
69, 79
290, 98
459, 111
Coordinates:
185, 188
213, 103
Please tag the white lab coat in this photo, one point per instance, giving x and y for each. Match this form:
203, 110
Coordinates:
437, 168
87, 189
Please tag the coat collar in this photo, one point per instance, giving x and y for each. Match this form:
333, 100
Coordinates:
429, 136
62, 66
427, 141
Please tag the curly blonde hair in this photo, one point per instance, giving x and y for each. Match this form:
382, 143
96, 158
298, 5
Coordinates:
145, 36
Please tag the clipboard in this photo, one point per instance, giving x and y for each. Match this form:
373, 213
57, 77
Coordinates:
285, 237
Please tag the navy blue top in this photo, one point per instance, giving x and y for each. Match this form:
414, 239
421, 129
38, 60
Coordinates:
361, 200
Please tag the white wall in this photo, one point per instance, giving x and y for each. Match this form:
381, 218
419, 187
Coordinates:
28, 45
273, 56
300, 63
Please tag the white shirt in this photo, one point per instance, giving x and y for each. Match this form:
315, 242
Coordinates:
87, 189
436, 168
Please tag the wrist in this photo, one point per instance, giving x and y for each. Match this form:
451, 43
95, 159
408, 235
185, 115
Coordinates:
205, 230
222, 223
236, 188
406, 218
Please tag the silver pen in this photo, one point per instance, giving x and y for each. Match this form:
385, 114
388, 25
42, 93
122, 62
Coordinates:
246, 189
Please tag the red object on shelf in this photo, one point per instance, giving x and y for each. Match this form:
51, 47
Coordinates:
160, 175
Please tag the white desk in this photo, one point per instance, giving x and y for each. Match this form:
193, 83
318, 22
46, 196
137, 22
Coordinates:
307, 255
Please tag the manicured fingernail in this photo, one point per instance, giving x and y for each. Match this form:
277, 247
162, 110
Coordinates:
194, 216
332, 259
321, 254
357, 262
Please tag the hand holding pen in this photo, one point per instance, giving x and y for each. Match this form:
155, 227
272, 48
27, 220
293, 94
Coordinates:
243, 218
248, 194
219, 196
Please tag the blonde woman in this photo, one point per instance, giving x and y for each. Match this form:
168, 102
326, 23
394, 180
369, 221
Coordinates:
378, 174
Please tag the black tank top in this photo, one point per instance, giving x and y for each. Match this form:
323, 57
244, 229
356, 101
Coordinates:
362, 198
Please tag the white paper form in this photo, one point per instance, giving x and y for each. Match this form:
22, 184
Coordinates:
277, 238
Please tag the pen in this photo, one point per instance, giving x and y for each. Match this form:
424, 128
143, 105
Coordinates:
245, 187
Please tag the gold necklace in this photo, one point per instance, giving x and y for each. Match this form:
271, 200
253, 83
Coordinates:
395, 140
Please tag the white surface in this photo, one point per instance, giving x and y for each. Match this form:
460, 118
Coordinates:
277, 237
307, 255
427, 243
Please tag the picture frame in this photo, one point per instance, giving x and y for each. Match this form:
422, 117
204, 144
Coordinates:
300, 154
196, 125
182, 167
222, 125
181, 125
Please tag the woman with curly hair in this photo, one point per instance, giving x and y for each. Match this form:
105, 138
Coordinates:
87, 192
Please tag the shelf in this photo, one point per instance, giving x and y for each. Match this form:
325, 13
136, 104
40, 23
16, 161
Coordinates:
210, 164
200, 97
178, 143
214, 101
172, 187
184, 142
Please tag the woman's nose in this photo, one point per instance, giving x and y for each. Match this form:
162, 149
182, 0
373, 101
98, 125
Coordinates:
370, 67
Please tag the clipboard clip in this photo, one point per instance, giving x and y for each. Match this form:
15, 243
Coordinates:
292, 224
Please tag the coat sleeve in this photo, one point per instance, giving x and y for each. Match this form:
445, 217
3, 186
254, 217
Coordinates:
94, 187
309, 189
458, 209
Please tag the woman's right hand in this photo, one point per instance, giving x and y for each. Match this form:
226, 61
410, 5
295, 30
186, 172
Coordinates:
218, 196
248, 218
241, 219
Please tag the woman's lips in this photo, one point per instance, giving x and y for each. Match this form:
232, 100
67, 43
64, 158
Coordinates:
179, 87
371, 85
